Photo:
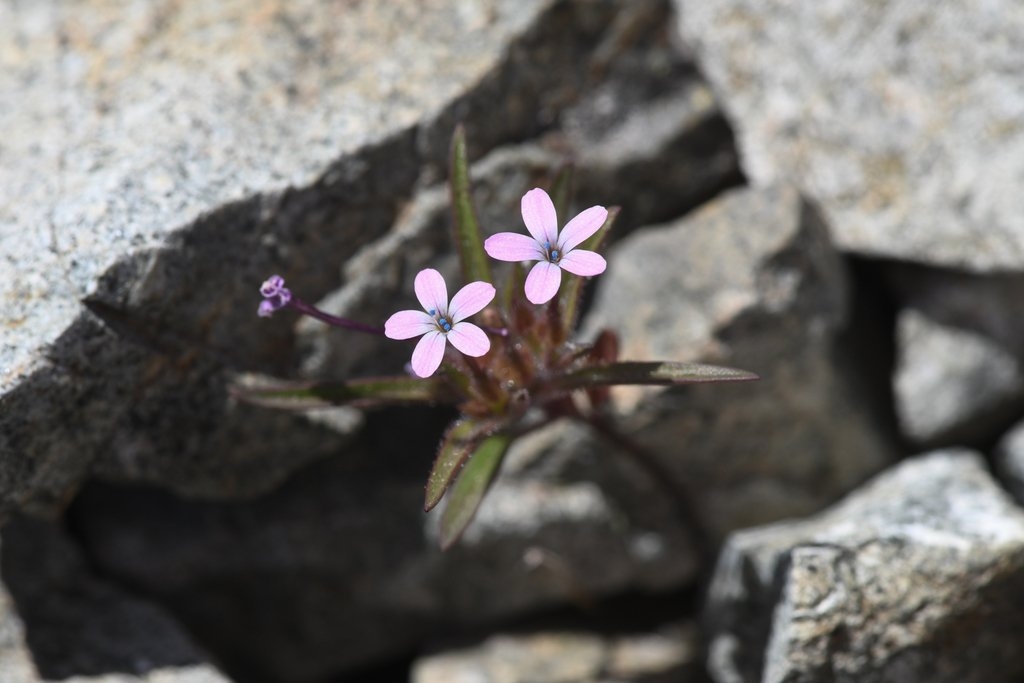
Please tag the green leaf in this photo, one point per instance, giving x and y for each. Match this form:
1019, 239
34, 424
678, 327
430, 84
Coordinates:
459, 442
356, 392
468, 240
470, 487
561, 192
661, 373
572, 288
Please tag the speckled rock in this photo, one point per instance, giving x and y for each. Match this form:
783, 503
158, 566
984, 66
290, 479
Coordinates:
901, 119
60, 622
750, 281
160, 162
916, 577
567, 657
952, 385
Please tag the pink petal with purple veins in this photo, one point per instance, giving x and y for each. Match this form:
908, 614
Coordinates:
583, 262
408, 324
582, 226
469, 300
430, 290
542, 282
539, 216
427, 355
469, 339
511, 246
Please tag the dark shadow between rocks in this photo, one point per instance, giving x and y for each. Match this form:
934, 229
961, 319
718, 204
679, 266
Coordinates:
77, 624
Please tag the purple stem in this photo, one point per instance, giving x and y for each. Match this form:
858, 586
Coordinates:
314, 312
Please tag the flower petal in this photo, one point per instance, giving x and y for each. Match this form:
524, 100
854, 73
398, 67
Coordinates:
539, 216
511, 246
408, 324
582, 226
469, 300
583, 262
542, 282
430, 290
427, 355
469, 339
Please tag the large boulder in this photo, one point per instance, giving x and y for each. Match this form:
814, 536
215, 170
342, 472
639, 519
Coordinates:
901, 118
752, 281
917, 577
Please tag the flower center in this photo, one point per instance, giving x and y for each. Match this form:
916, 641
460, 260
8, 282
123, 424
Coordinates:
441, 319
552, 254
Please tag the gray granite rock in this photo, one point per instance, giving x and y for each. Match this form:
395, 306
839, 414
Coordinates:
339, 567
668, 654
58, 621
1008, 461
900, 118
915, 577
160, 162
750, 281
952, 385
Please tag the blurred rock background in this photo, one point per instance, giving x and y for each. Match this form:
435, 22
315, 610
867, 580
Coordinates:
824, 193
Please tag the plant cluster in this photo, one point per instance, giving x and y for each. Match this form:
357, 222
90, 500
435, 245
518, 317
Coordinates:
514, 369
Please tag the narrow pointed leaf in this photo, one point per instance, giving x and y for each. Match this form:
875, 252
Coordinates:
469, 489
357, 392
572, 288
468, 241
666, 373
459, 442
561, 192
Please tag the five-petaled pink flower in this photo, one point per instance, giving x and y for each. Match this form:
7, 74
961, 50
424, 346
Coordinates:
555, 252
440, 322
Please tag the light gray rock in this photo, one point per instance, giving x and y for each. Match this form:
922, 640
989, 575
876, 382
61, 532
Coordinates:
668, 654
1008, 460
915, 577
952, 384
60, 622
160, 162
901, 119
749, 281
340, 568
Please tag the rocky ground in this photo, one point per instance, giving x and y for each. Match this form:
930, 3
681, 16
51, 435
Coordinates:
823, 193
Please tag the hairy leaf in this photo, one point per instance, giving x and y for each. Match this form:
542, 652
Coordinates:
468, 241
662, 373
470, 487
458, 444
356, 392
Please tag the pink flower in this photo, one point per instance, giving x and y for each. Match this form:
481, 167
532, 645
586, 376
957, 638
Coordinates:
440, 321
555, 252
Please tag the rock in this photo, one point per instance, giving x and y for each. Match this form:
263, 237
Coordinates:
569, 657
60, 622
162, 163
750, 281
914, 577
339, 568
952, 385
901, 120
1008, 461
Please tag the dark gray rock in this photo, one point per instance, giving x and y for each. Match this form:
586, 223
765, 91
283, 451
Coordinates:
750, 281
340, 568
952, 385
901, 119
915, 577
58, 621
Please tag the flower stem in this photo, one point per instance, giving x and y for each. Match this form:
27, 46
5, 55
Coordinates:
333, 320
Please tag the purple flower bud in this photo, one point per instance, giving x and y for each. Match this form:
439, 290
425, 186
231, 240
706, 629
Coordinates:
275, 296
273, 285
